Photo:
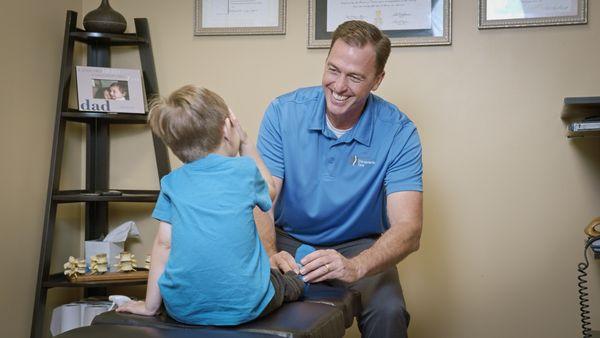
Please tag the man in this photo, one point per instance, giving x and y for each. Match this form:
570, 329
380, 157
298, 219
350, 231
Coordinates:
347, 171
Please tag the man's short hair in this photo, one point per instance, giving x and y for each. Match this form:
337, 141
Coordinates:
359, 33
190, 121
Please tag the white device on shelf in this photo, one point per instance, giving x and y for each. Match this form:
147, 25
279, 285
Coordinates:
117, 300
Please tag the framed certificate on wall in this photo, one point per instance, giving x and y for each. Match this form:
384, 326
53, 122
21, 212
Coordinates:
239, 17
406, 23
526, 13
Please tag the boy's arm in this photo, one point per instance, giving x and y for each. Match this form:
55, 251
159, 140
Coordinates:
160, 255
247, 148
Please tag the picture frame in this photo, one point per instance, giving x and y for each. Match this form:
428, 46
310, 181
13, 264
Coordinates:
110, 90
406, 23
519, 13
247, 17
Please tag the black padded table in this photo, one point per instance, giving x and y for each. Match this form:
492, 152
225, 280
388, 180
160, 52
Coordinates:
125, 331
324, 312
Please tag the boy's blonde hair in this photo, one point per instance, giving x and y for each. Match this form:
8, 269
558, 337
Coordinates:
190, 121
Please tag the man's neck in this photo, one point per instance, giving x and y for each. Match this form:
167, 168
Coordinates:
344, 122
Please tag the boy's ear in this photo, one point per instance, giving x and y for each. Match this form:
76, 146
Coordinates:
227, 129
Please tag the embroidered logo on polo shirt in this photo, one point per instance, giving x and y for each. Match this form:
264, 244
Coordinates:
356, 161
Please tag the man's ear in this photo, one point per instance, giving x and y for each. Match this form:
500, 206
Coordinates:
378, 80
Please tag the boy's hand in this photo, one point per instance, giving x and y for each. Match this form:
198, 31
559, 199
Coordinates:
136, 307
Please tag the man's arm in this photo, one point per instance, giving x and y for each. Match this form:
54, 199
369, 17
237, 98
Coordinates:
265, 223
247, 148
405, 214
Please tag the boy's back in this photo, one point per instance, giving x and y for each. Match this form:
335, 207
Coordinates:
218, 271
208, 264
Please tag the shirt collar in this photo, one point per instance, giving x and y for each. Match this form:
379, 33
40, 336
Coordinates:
361, 132
207, 161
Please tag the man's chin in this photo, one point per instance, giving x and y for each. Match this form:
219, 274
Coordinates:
335, 110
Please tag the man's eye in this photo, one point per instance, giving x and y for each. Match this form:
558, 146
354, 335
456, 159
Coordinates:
333, 70
355, 79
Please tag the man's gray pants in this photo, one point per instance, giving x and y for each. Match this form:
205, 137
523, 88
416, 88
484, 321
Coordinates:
383, 308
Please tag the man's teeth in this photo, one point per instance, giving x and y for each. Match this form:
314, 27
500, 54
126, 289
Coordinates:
339, 97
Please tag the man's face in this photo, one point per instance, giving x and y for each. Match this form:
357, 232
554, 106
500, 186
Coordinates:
349, 76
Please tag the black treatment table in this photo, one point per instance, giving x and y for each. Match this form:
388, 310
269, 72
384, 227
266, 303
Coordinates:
324, 312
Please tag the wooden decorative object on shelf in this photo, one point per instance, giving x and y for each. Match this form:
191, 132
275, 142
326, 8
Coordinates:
98, 197
126, 263
74, 267
99, 264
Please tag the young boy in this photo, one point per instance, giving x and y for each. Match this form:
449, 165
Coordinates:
117, 91
208, 264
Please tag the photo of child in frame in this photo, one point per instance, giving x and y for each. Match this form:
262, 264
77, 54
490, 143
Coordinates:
110, 89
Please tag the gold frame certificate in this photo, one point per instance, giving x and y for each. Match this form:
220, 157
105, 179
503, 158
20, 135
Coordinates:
239, 17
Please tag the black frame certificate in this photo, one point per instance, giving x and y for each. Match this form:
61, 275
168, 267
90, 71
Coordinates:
405, 22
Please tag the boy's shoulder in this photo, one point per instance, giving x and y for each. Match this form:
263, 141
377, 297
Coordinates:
242, 164
245, 163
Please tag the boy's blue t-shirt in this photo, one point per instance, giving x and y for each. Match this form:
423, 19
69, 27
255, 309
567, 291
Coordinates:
218, 272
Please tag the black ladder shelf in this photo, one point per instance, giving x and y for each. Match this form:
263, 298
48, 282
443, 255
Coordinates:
97, 155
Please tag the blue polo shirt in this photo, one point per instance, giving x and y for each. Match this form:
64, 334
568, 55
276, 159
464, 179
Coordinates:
334, 189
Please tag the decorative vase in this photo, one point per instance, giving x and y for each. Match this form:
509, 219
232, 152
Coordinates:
104, 19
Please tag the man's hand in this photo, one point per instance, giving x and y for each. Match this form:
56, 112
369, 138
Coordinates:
327, 264
136, 307
284, 262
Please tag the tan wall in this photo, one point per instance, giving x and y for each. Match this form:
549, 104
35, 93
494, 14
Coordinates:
32, 34
506, 194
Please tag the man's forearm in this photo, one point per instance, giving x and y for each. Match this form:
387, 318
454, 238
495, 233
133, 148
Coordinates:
391, 248
249, 150
405, 215
266, 230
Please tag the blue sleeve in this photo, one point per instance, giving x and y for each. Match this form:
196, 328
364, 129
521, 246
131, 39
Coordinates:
261, 192
162, 209
270, 144
405, 172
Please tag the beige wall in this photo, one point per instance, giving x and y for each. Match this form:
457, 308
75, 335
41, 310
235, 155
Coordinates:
32, 34
506, 194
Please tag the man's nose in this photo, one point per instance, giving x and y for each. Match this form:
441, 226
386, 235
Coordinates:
340, 84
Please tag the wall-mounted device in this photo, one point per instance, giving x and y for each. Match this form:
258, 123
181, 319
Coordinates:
593, 232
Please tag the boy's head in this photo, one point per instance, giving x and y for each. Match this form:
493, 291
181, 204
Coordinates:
117, 91
190, 121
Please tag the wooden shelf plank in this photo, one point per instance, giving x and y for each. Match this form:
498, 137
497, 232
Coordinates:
60, 280
579, 108
85, 117
126, 39
86, 196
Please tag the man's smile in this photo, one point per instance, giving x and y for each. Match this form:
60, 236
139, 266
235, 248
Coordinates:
339, 98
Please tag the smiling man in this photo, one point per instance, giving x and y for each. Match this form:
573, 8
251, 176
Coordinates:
348, 176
